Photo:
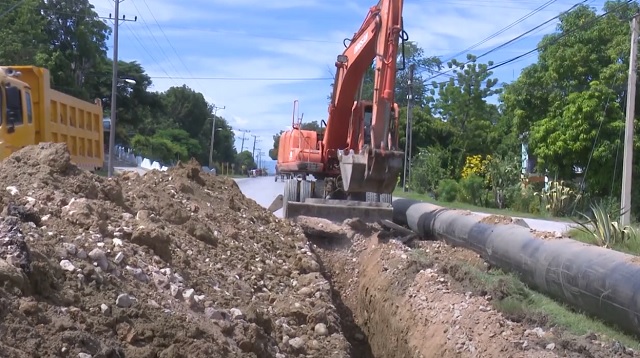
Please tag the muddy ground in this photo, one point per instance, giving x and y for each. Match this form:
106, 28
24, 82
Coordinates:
418, 300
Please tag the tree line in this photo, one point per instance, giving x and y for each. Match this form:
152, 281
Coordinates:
70, 40
566, 110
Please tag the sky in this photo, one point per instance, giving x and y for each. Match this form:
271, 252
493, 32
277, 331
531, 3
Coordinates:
255, 57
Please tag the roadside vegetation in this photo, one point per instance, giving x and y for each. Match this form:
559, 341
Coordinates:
72, 42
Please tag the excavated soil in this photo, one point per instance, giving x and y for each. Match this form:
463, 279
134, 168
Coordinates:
170, 264
507, 220
414, 300
181, 264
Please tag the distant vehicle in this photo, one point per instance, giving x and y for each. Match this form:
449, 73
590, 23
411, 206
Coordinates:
36, 113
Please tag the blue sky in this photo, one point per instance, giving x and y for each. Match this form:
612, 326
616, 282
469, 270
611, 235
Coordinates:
194, 42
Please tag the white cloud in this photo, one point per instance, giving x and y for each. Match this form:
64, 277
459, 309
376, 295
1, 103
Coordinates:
246, 39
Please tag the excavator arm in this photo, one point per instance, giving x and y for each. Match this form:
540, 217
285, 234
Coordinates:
370, 165
358, 154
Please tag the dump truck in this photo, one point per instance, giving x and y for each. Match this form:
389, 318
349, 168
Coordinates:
33, 112
355, 158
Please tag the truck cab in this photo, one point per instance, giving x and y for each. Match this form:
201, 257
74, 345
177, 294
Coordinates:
17, 126
31, 112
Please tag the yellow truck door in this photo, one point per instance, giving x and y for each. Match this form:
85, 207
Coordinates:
17, 130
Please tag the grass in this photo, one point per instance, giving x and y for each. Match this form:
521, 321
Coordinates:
463, 206
631, 246
521, 304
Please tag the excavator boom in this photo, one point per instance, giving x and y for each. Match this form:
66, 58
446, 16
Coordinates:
355, 160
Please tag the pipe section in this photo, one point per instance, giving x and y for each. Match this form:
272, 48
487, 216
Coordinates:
598, 281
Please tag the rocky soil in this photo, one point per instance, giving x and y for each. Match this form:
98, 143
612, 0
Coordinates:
170, 264
410, 300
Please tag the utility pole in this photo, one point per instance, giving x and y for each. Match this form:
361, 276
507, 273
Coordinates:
259, 159
255, 139
627, 164
244, 132
408, 131
213, 132
114, 85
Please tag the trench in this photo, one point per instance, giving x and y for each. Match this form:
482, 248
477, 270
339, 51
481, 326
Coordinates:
379, 316
354, 334
369, 308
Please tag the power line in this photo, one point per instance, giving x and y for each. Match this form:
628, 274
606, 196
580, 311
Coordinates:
169, 42
249, 78
175, 69
513, 39
501, 31
588, 23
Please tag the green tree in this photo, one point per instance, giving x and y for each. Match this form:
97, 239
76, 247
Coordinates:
462, 103
187, 108
428, 169
161, 147
571, 102
139, 111
223, 146
245, 161
21, 36
76, 44
273, 152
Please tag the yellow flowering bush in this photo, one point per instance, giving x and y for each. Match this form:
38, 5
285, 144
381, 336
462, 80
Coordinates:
475, 164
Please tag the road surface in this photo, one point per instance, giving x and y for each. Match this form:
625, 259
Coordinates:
264, 189
138, 170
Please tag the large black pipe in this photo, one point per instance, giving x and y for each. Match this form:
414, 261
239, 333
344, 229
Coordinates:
602, 282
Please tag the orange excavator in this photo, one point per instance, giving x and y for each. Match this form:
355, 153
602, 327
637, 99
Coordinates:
354, 157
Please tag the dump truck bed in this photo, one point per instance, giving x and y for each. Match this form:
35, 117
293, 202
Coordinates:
58, 117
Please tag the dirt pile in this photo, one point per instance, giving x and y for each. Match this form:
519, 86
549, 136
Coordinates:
503, 220
507, 220
170, 264
412, 300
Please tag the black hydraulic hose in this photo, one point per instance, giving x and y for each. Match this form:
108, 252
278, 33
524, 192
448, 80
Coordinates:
601, 282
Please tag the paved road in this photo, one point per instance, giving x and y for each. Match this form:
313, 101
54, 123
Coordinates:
261, 189
264, 189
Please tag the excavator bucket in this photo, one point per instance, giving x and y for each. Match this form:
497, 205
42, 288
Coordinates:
371, 170
303, 198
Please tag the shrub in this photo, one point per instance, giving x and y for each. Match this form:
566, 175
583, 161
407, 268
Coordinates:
447, 190
559, 198
472, 190
606, 231
475, 165
522, 199
427, 169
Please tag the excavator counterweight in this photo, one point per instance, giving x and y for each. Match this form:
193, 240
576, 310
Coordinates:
354, 157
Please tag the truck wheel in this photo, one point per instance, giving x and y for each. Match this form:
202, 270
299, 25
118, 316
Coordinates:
291, 191
305, 190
